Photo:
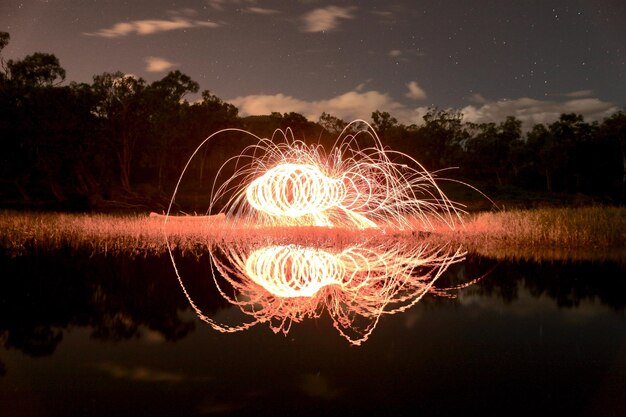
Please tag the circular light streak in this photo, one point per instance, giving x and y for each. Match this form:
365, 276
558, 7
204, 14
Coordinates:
358, 184
283, 284
286, 182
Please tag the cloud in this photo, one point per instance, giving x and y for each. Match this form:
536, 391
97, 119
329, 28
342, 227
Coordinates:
415, 91
216, 4
327, 18
348, 106
140, 373
261, 10
221, 5
385, 13
150, 27
360, 104
531, 111
156, 64
404, 55
477, 98
579, 93
527, 305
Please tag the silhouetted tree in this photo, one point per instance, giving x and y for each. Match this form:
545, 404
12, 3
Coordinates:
383, 121
332, 124
609, 156
167, 112
440, 138
122, 109
489, 151
39, 70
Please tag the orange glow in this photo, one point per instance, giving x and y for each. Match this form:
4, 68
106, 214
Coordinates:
285, 182
282, 284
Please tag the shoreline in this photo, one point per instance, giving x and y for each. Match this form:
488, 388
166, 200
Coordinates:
540, 234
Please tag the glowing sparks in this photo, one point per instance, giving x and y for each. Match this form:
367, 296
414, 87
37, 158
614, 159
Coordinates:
283, 182
294, 271
282, 284
358, 184
287, 182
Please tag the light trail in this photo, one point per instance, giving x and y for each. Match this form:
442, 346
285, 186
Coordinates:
283, 284
359, 184
283, 182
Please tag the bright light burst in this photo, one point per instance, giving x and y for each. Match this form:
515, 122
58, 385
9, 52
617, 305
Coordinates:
358, 184
283, 284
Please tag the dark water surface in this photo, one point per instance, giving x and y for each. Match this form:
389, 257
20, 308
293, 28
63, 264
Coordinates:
97, 335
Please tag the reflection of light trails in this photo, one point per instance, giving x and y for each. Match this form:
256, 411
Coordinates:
282, 284
285, 182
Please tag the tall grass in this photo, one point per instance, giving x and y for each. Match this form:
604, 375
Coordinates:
550, 230
565, 227
547, 233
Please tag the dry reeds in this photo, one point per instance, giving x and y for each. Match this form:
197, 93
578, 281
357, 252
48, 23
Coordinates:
592, 229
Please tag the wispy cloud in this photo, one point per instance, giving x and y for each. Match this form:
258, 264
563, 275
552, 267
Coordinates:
477, 98
404, 55
156, 64
222, 5
327, 18
415, 91
261, 10
579, 93
150, 27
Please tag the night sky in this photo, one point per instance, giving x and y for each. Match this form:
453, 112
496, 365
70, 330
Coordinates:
533, 59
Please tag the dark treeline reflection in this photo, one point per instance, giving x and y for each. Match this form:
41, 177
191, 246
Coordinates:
117, 297
567, 283
120, 141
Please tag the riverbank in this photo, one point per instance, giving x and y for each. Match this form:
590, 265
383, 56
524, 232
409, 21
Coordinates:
586, 232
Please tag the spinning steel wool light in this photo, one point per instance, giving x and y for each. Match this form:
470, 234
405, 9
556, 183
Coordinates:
285, 182
283, 284
282, 182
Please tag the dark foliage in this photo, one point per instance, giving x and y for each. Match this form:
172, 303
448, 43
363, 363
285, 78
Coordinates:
122, 142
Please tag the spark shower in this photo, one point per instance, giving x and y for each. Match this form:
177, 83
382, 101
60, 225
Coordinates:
359, 187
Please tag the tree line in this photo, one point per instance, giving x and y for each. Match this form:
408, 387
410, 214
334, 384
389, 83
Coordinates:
120, 140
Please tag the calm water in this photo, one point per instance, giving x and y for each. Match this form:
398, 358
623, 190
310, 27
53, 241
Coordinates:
115, 336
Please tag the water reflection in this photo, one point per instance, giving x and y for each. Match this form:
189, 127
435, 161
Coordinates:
119, 298
356, 285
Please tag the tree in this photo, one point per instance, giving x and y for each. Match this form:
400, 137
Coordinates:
383, 121
440, 138
490, 149
166, 112
4, 41
122, 111
611, 163
174, 87
39, 69
332, 124
205, 118
561, 150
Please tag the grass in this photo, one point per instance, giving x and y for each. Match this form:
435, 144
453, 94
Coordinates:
585, 232
549, 233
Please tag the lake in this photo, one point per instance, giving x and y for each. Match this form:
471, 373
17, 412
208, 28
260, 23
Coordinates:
101, 335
